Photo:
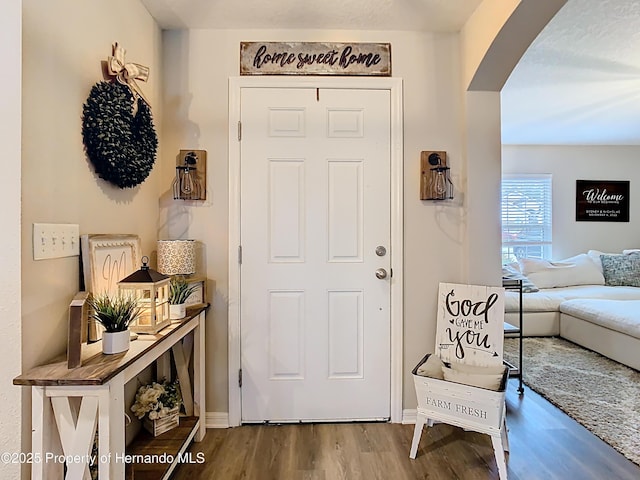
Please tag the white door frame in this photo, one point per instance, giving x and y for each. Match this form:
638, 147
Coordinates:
394, 85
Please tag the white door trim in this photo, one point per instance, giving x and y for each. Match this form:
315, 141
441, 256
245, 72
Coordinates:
394, 85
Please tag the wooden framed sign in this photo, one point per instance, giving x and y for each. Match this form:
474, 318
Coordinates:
315, 58
470, 324
602, 201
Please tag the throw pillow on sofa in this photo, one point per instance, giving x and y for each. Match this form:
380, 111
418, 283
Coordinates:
577, 270
595, 256
621, 270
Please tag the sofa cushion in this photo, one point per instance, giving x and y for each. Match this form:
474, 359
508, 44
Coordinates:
577, 270
619, 315
621, 270
549, 299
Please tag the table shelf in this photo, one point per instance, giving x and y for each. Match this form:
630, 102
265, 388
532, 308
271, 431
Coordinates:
511, 330
71, 403
170, 445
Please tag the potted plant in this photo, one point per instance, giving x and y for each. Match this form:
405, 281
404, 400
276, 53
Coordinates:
179, 291
158, 405
114, 313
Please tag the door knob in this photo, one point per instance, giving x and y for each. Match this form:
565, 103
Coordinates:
381, 273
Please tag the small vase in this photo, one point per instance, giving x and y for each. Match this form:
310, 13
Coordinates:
177, 312
115, 342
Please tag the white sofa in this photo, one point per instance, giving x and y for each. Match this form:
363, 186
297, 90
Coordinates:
603, 315
541, 310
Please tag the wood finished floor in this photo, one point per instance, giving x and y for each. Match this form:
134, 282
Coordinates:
545, 444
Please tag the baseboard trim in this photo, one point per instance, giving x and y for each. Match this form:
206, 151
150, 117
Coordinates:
221, 419
409, 416
217, 419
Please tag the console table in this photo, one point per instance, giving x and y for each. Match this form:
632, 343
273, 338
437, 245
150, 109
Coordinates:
72, 403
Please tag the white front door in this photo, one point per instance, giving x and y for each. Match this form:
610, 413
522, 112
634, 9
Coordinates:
314, 228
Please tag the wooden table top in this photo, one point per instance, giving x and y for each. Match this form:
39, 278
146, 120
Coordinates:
98, 368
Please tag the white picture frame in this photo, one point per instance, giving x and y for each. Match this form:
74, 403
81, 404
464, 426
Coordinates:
107, 259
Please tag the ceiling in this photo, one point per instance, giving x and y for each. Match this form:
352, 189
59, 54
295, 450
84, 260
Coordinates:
578, 83
418, 15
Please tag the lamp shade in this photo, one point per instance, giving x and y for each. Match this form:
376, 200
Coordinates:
177, 257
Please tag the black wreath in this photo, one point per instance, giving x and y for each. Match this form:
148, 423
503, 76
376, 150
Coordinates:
122, 146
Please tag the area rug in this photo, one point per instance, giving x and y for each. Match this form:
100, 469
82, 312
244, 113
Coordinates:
600, 394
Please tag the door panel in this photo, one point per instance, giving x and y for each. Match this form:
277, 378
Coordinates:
315, 204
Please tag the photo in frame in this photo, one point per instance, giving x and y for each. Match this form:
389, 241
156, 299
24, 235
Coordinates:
602, 200
107, 259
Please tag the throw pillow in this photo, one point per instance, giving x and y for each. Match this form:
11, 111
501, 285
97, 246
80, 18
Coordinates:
487, 381
510, 273
478, 369
595, 256
621, 270
431, 368
577, 270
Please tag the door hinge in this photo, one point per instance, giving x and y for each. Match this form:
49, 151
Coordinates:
239, 131
240, 378
240, 254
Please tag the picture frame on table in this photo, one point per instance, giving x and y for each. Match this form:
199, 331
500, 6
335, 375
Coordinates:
107, 259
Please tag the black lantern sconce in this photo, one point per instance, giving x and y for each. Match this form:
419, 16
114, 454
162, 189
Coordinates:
435, 178
190, 181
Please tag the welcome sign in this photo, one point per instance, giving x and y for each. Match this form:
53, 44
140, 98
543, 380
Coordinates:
470, 326
602, 201
315, 58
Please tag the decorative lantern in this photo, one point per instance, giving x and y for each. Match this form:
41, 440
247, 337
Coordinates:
151, 289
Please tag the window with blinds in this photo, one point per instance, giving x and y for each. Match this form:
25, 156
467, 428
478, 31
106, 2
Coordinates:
526, 217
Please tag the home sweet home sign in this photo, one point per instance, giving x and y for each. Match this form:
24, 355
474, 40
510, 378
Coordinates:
315, 58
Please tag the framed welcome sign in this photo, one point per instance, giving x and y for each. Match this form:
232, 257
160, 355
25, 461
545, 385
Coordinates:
602, 200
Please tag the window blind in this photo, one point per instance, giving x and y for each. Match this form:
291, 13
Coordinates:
526, 216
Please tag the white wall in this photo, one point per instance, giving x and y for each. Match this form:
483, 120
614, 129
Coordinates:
63, 44
482, 192
568, 164
10, 333
196, 116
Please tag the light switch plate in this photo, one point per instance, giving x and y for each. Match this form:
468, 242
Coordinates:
55, 240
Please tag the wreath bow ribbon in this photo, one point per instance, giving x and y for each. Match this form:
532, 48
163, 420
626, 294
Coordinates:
127, 73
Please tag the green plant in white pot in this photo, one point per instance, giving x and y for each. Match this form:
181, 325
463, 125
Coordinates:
114, 313
179, 291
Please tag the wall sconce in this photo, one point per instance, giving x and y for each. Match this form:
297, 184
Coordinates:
190, 181
435, 178
151, 289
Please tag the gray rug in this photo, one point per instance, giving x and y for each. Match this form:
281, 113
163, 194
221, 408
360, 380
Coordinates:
599, 393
